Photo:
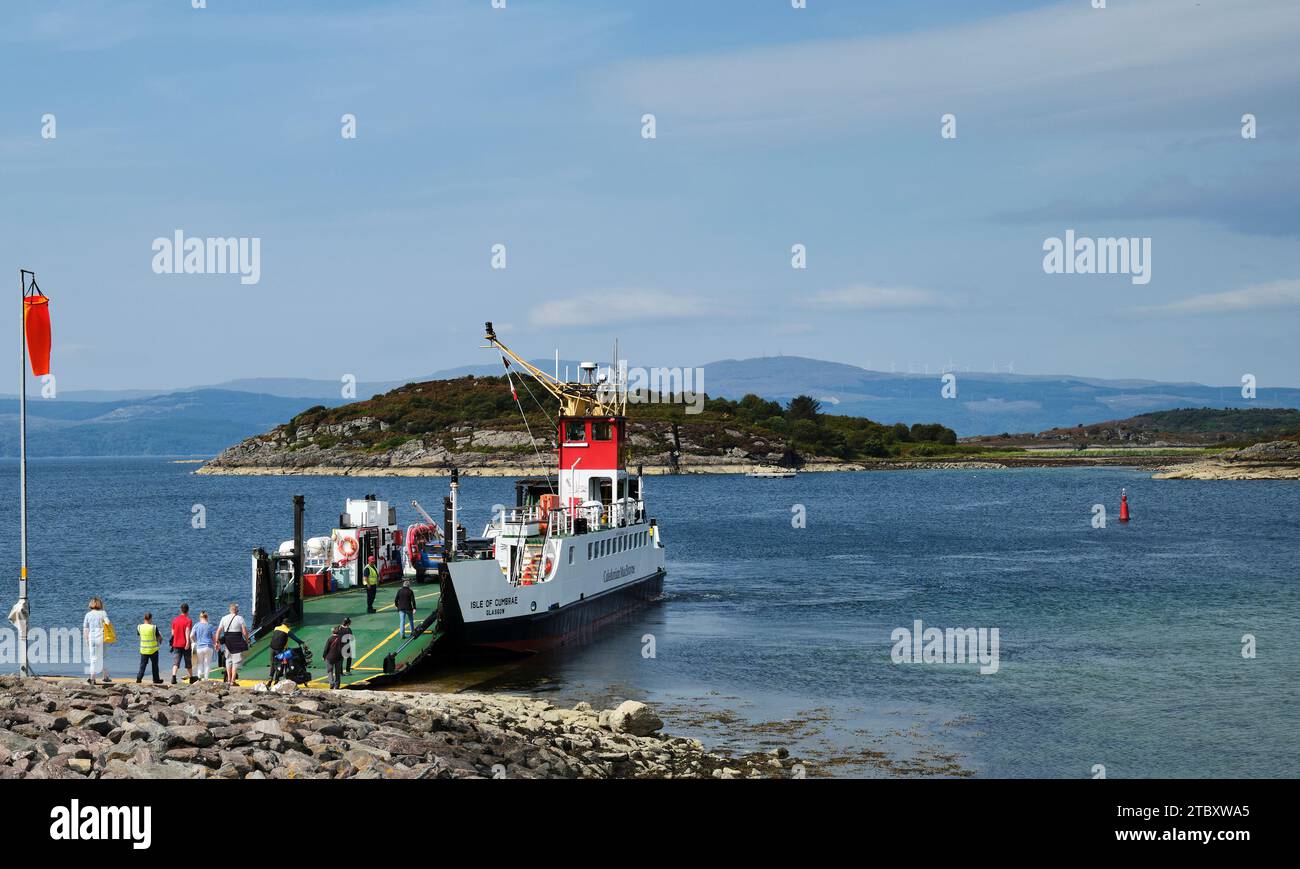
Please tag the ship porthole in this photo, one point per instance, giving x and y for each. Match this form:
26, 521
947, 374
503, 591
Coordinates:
533, 606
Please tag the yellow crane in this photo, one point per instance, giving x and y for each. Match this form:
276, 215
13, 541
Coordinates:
597, 396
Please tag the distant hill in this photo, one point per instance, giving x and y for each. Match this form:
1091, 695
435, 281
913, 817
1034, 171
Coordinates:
985, 403
198, 423
1190, 426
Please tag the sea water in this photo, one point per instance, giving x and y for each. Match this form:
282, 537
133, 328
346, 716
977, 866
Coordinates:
1167, 646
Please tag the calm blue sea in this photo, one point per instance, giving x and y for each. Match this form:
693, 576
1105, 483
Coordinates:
1119, 647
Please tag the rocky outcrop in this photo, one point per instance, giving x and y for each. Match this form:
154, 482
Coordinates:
1274, 460
345, 449
70, 730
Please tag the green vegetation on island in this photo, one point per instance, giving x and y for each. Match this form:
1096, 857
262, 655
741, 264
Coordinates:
442, 409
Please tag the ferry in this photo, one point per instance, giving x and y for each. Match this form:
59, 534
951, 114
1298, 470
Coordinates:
576, 549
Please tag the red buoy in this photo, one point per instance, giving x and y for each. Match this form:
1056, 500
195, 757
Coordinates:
1123, 505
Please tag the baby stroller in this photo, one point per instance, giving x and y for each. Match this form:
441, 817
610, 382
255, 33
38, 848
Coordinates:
293, 664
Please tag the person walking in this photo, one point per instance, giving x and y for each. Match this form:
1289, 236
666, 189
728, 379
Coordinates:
405, 603
334, 657
370, 576
150, 640
93, 628
232, 633
181, 650
348, 644
203, 636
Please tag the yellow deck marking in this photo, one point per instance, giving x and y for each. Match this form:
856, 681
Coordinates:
377, 647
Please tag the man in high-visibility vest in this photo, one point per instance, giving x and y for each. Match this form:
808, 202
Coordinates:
370, 576
150, 640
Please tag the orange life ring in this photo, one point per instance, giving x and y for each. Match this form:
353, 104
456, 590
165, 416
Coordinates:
547, 565
348, 547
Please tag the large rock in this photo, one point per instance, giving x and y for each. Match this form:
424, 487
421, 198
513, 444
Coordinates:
634, 717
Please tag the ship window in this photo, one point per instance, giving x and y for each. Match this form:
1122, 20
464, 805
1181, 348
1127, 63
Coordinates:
575, 430
589, 552
571, 555
601, 431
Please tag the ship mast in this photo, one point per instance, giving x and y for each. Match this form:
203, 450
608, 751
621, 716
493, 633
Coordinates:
600, 398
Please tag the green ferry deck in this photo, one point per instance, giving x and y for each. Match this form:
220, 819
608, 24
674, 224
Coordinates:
376, 635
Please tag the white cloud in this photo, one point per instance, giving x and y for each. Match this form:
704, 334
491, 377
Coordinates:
1277, 294
1066, 59
616, 306
868, 298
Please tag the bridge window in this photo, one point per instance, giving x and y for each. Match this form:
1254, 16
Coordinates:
575, 430
601, 431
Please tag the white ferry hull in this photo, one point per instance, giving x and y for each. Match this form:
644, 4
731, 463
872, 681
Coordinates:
578, 595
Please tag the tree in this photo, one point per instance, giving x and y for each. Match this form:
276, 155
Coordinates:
803, 407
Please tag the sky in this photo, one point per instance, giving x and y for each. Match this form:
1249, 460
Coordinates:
774, 126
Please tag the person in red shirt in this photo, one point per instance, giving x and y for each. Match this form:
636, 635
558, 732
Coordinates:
181, 626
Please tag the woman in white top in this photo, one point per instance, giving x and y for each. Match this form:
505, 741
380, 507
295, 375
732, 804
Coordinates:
92, 629
232, 633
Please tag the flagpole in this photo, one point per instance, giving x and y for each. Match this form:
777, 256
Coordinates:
23, 668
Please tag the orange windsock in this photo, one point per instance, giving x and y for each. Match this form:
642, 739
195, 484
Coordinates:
36, 324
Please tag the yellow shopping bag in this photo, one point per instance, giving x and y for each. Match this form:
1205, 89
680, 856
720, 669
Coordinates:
110, 635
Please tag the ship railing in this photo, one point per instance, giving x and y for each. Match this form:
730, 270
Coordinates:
563, 521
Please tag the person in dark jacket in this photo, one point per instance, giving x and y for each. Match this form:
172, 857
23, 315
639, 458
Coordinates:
347, 642
405, 603
280, 638
334, 657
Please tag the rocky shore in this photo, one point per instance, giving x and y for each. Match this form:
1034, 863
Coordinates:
1274, 460
67, 729
341, 449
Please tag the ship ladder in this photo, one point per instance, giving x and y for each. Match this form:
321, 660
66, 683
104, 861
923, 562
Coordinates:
532, 555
